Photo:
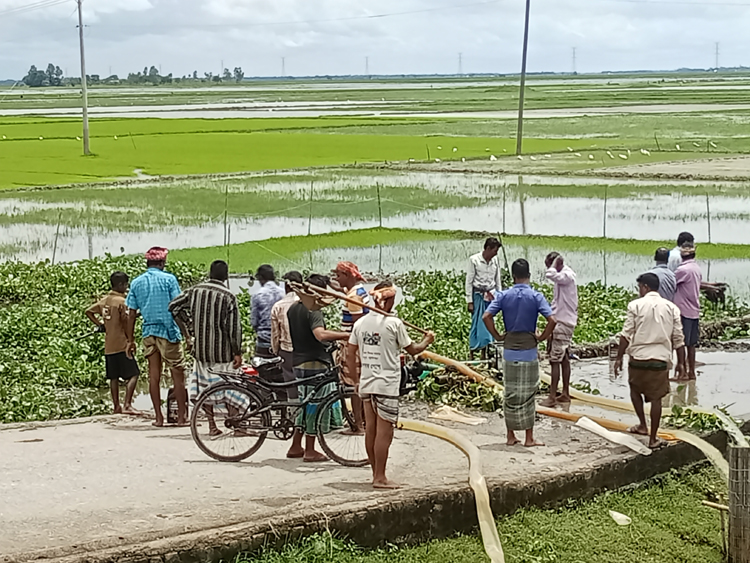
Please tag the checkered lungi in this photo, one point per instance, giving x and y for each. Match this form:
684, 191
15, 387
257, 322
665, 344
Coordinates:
521, 385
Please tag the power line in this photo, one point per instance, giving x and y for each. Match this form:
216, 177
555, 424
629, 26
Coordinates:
31, 7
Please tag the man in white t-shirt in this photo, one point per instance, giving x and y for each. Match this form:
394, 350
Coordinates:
377, 340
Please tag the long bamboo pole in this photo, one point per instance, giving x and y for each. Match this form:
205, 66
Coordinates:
307, 287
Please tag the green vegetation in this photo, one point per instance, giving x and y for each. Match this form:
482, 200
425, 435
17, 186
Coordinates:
46, 370
209, 147
670, 525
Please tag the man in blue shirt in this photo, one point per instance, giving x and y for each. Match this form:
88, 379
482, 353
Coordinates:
521, 306
260, 313
151, 293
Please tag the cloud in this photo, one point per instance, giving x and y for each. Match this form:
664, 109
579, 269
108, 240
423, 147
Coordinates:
334, 36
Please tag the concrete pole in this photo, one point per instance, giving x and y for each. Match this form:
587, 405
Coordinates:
84, 90
739, 505
519, 131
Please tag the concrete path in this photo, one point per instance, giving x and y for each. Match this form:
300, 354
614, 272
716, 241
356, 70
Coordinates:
72, 489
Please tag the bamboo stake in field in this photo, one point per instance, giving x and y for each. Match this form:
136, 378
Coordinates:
307, 287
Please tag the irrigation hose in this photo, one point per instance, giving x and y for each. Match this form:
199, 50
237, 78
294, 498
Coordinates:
477, 482
713, 455
462, 368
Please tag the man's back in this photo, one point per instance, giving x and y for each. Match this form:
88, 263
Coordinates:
687, 295
653, 328
667, 281
151, 293
380, 340
307, 348
213, 315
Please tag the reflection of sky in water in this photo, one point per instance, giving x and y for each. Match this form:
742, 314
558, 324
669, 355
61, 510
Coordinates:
721, 381
648, 216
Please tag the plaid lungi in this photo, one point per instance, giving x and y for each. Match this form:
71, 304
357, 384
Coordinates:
307, 418
521, 385
205, 374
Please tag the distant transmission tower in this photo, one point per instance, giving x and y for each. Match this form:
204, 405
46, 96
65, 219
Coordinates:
460, 64
574, 61
367, 66
717, 56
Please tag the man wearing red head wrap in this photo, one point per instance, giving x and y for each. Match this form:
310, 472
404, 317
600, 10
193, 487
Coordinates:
151, 293
350, 279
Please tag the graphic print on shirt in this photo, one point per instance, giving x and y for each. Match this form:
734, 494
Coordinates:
370, 352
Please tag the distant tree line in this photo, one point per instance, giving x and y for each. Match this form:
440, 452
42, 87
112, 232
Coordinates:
53, 76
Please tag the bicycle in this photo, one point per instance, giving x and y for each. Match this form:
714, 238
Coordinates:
240, 411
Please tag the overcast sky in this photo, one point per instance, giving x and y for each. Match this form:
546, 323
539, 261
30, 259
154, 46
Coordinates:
335, 36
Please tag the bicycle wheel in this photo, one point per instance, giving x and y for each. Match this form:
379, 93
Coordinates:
221, 427
335, 424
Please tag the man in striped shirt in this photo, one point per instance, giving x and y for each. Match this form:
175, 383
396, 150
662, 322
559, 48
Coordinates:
208, 315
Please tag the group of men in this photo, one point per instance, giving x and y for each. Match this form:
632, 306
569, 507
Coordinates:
288, 322
664, 320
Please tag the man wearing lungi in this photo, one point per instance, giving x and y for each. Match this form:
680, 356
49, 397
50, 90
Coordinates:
521, 306
653, 329
483, 278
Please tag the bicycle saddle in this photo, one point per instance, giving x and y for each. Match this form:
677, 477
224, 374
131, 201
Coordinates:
262, 362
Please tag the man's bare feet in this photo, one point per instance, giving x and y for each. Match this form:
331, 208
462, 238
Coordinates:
532, 444
213, 432
564, 399
131, 411
385, 484
352, 432
314, 457
295, 454
158, 423
512, 442
549, 402
117, 410
638, 429
656, 444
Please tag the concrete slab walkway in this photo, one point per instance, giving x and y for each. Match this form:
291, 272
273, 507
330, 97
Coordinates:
75, 489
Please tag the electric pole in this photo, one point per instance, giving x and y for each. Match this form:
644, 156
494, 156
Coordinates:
717, 57
283, 66
84, 91
519, 132
574, 61
460, 64
367, 66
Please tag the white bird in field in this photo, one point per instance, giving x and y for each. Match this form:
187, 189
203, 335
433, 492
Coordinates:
647, 152
455, 149
696, 144
463, 159
520, 157
440, 148
710, 143
487, 149
532, 157
437, 160
677, 147
505, 150
41, 138
115, 137
547, 156
493, 158
610, 155
570, 149
578, 154
4, 137
412, 160
624, 156
628, 152
78, 138
591, 157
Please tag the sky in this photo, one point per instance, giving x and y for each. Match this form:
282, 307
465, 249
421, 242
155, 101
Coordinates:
320, 37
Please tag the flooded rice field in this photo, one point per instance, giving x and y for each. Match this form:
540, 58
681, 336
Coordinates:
75, 223
721, 382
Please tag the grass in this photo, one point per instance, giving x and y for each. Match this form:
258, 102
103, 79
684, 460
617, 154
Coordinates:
248, 256
199, 148
669, 526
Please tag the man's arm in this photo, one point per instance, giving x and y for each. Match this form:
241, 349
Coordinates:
325, 335
234, 326
545, 310
470, 273
275, 329
551, 322
416, 349
92, 313
129, 332
351, 362
498, 276
178, 307
254, 314
624, 343
489, 316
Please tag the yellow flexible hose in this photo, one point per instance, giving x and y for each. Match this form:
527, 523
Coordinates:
490, 537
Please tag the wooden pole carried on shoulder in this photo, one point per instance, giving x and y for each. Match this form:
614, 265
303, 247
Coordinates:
322, 291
